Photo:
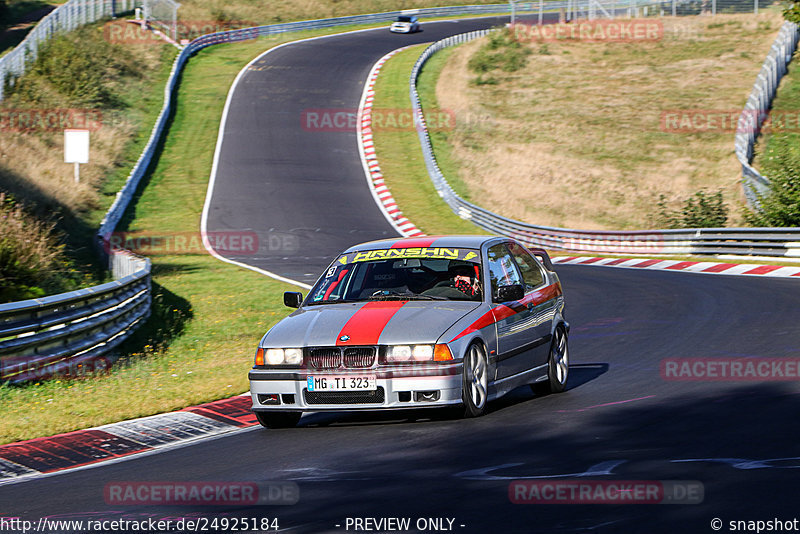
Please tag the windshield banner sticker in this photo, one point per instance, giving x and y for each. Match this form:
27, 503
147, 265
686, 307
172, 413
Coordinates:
462, 254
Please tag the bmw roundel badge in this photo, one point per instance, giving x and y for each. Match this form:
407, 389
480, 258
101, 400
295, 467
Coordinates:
344, 338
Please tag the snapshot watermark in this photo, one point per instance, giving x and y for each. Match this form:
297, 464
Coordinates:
236, 242
730, 369
248, 493
132, 32
770, 525
592, 31
729, 121
386, 119
49, 119
579, 491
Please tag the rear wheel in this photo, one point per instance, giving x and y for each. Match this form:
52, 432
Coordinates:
557, 366
278, 419
475, 383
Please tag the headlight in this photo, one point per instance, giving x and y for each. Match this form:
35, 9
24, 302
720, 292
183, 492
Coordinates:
422, 353
407, 353
293, 356
279, 356
399, 353
274, 356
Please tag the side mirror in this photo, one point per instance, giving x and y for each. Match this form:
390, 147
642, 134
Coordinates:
292, 299
510, 293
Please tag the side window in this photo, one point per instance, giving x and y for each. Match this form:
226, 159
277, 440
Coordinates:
531, 272
502, 270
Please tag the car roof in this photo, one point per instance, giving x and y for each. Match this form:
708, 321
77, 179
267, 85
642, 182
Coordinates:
447, 241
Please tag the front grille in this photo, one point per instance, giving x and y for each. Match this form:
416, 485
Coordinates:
325, 358
344, 397
359, 357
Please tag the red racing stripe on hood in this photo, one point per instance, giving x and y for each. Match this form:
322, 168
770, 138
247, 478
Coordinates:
366, 326
498, 313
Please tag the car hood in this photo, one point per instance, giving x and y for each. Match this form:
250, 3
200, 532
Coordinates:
368, 323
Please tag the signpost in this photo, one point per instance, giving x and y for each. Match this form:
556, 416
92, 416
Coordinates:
76, 149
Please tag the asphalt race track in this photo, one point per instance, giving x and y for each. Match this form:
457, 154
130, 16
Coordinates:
302, 190
620, 419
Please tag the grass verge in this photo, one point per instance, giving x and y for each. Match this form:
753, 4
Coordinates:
400, 154
781, 135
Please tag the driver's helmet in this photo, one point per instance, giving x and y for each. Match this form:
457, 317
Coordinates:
465, 278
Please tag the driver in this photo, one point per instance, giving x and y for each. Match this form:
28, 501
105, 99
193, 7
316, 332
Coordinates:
465, 279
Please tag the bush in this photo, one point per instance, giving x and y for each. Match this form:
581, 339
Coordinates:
30, 254
78, 69
501, 52
781, 206
701, 210
792, 12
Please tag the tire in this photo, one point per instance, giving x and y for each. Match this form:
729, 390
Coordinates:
557, 366
475, 381
278, 419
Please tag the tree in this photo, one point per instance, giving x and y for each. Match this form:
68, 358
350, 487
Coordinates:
792, 12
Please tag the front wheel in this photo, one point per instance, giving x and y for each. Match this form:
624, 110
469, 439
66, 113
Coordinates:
278, 419
475, 383
557, 366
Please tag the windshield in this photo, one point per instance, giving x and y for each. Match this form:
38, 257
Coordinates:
403, 19
401, 274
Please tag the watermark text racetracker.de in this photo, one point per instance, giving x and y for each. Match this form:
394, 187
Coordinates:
203, 493
49, 119
46, 525
730, 369
634, 30
729, 121
384, 119
580, 491
233, 242
128, 32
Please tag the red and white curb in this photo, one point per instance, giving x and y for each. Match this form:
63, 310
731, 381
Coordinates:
40, 456
366, 147
705, 267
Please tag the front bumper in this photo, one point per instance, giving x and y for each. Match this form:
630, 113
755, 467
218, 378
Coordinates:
401, 388
400, 29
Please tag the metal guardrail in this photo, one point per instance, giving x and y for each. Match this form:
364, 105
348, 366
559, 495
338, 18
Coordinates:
757, 108
64, 18
71, 333
783, 242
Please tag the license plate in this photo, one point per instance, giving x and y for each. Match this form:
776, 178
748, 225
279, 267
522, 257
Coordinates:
342, 383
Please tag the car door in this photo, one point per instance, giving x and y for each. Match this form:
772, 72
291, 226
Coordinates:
539, 302
511, 318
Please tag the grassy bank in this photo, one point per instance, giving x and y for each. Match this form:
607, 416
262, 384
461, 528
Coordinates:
400, 155
780, 134
579, 128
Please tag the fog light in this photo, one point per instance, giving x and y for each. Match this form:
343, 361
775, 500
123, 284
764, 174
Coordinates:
426, 396
268, 399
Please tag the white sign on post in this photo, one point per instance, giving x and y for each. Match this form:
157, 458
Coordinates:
76, 149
